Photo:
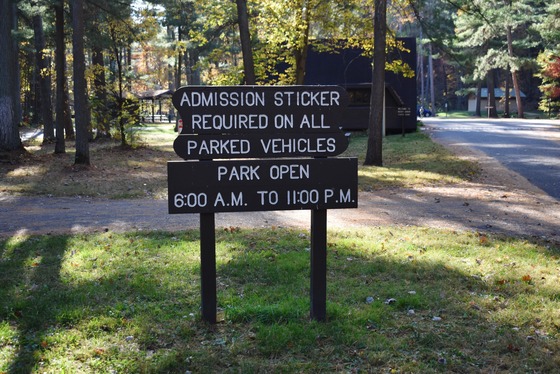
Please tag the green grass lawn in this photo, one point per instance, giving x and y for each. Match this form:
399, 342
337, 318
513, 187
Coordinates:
410, 161
399, 300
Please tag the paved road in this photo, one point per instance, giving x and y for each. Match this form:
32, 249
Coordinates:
528, 147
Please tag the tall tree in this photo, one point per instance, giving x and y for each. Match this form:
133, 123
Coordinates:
9, 133
62, 107
501, 29
374, 153
81, 107
245, 37
42, 66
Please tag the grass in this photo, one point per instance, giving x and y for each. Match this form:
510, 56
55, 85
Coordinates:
141, 172
409, 299
403, 299
409, 161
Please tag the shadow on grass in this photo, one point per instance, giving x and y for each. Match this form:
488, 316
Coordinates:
128, 303
384, 311
27, 299
74, 309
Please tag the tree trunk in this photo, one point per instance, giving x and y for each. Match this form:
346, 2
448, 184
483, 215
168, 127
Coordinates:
119, 56
421, 71
477, 110
245, 37
178, 74
518, 101
44, 78
301, 52
9, 132
374, 154
506, 98
492, 111
63, 117
431, 77
193, 73
100, 87
80, 88
17, 71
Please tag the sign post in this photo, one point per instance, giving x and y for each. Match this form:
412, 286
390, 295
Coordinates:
260, 148
208, 266
319, 264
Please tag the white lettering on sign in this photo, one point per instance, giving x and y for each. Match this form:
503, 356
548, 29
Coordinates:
218, 147
229, 122
307, 98
302, 145
191, 200
268, 197
284, 121
345, 196
238, 173
316, 196
223, 99
292, 171
311, 122
235, 200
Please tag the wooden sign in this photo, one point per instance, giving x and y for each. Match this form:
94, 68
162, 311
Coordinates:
261, 126
194, 147
403, 111
260, 185
270, 109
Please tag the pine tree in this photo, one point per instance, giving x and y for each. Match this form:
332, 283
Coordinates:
9, 133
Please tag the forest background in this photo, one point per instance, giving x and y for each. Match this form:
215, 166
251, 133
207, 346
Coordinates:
80, 66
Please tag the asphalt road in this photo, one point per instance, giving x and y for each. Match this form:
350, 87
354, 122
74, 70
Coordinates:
528, 147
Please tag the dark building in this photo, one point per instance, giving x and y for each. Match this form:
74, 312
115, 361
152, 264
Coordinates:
348, 68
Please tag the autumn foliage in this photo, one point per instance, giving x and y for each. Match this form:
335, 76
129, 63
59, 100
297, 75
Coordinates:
550, 75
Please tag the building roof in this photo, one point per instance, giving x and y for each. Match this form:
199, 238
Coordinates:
154, 94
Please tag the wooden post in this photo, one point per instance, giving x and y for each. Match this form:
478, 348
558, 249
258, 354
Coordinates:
319, 264
208, 266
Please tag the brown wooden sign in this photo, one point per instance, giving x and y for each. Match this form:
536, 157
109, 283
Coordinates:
254, 124
193, 147
260, 185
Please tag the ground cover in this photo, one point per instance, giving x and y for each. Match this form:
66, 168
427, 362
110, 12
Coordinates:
140, 172
399, 300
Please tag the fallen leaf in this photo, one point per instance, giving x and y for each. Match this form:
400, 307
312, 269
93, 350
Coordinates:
526, 278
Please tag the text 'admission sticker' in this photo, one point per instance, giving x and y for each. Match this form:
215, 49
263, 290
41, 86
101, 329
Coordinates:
272, 109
